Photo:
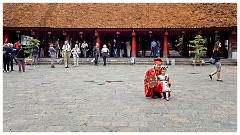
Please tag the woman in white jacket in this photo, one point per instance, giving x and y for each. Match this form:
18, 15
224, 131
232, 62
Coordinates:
75, 51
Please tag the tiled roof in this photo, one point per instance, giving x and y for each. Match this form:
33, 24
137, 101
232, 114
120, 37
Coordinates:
120, 15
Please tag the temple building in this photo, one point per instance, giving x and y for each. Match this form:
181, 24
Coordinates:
173, 25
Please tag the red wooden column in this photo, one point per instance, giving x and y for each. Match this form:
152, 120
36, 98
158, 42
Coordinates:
134, 44
97, 40
165, 45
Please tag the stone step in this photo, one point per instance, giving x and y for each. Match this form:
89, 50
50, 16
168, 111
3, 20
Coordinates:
138, 61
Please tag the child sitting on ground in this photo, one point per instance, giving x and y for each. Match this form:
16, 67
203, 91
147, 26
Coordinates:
164, 78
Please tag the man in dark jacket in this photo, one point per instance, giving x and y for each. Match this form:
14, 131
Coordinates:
96, 54
6, 57
21, 58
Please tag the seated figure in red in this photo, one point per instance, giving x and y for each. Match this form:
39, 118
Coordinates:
152, 87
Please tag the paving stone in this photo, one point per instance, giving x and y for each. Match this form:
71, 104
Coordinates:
111, 99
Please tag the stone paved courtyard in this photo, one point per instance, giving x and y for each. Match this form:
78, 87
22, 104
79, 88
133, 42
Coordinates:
111, 99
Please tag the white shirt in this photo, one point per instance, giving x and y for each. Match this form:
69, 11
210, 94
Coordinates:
104, 50
84, 45
66, 48
75, 51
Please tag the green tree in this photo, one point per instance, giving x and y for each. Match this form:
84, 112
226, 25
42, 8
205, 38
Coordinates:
198, 46
29, 47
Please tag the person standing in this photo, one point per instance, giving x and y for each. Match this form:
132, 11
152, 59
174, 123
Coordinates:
13, 55
84, 47
66, 53
52, 54
57, 50
75, 51
128, 46
41, 53
158, 52
105, 53
164, 78
96, 54
21, 58
216, 55
121, 48
35, 55
6, 58
153, 48
152, 87
115, 48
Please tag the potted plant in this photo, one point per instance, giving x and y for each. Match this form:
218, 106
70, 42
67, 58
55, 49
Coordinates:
198, 49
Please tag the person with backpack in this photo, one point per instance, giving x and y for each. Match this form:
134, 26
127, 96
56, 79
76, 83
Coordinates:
35, 55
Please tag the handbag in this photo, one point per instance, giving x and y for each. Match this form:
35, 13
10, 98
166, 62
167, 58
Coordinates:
212, 61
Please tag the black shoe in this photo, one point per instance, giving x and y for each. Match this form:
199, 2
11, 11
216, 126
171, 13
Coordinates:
52, 67
154, 97
23, 70
66, 67
210, 77
12, 70
219, 80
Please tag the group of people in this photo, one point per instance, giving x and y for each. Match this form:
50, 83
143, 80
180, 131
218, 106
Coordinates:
157, 81
76, 51
10, 53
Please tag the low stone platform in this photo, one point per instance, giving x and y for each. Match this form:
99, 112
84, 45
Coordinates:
140, 61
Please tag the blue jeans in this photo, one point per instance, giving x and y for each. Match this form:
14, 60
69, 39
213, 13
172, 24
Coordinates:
153, 51
104, 60
115, 52
52, 59
96, 59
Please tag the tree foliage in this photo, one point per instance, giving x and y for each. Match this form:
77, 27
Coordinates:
198, 46
29, 47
